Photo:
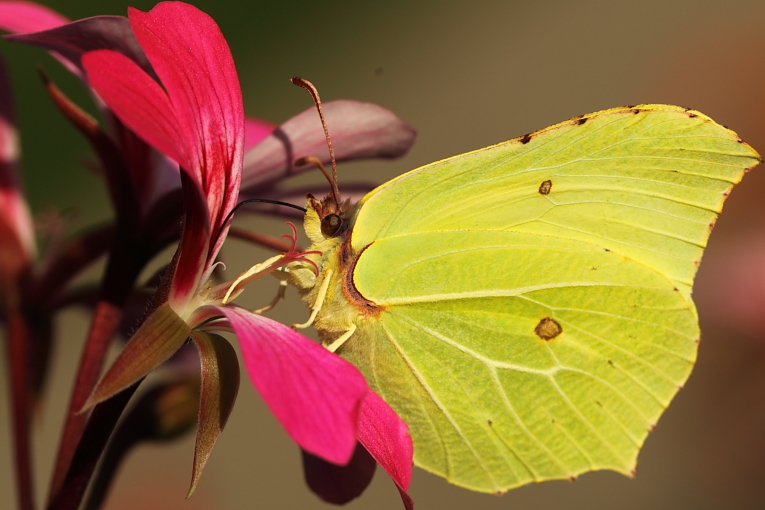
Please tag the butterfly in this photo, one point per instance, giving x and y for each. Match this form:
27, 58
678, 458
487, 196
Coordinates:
526, 308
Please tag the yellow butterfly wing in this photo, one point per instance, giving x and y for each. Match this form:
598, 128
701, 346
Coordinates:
526, 307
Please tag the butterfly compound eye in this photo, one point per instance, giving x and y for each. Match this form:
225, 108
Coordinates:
330, 225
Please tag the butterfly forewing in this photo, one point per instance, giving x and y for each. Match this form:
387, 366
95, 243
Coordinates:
646, 182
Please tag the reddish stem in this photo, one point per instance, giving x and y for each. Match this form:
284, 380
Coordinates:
127, 256
126, 261
263, 240
68, 261
95, 435
17, 358
106, 319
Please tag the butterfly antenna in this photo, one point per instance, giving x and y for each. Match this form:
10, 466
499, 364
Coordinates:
300, 82
250, 201
313, 160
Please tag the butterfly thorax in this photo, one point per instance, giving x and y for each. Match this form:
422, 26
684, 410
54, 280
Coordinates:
342, 305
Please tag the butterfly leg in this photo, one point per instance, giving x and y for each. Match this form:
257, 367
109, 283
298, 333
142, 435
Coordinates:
319, 301
336, 343
272, 304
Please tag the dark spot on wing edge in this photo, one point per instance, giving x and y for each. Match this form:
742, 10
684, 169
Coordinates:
526, 139
548, 328
545, 187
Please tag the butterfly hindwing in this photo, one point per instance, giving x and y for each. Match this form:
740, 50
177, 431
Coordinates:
520, 357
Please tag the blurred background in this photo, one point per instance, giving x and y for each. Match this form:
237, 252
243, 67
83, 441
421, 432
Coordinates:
466, 75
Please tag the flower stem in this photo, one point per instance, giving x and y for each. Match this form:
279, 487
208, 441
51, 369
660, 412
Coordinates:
124, 266
17, 358
106, 319
95, 435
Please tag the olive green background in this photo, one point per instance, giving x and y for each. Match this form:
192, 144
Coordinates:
466, 75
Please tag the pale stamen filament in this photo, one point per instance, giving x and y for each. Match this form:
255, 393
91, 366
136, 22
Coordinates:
253, 273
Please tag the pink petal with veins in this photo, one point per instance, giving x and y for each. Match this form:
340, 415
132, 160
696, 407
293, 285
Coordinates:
193, 61
314, 393
136, 99
197, 119
386, 438
144, 107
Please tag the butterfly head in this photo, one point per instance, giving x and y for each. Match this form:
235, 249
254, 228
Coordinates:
326, 219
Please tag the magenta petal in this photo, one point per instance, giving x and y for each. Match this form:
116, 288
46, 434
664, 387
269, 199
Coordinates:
136, 99
20, 17
358, 130
314, 393
17, 245
72, 40
192, 249
387, 438
193, 61
256, 130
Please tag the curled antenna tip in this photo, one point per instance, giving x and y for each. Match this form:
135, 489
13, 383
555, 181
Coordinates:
317, 101
300, 82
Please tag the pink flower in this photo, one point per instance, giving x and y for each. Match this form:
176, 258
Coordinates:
17, 246
360, 130
196, 118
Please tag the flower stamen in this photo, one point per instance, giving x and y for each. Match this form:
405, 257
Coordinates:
236, 286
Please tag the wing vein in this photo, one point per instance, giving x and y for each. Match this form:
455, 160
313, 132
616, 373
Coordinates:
441, 407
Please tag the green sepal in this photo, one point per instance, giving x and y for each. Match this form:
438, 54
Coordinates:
160, 336
220, 384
